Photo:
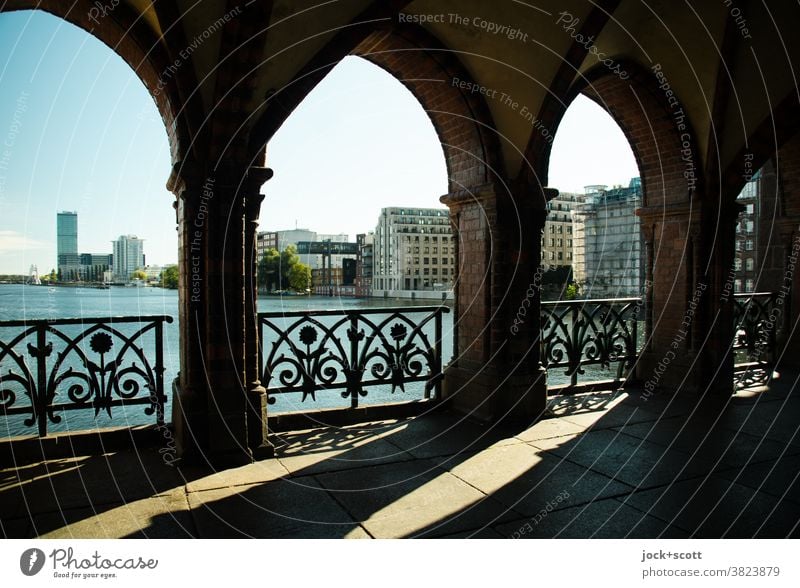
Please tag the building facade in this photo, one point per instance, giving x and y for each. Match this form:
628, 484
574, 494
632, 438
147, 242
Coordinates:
128, 256
607, 242
414, 249
746, 258
265, 240
364, 263
68, 260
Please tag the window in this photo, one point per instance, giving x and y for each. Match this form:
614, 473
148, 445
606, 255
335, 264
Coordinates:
750, 264
569, 242
560, 242
737, 264
569, 254
427, 250
748, 284
436, 250
552, 242
426, 260
444, 271
748, 245
560, 256
552, 255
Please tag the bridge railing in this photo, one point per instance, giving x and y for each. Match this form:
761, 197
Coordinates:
93, 364
351, 351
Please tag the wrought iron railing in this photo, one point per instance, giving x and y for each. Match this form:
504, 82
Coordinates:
580, 333
351, 351
48, 366
756, 320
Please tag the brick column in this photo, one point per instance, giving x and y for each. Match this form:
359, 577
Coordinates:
257, 395
689, 315
672, 302
496, 372
215, 395
190, 390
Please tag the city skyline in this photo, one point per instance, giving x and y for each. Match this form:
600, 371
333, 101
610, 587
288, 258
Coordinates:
85, 136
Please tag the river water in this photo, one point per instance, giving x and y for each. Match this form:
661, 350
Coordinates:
19, 302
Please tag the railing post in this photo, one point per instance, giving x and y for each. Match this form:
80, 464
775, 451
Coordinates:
575, 358
41, 379
159, 371
437, 356
354, 378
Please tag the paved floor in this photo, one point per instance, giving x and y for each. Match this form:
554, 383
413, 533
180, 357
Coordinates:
604, 465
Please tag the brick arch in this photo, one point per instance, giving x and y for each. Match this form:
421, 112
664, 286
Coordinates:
778, 134
127, 35
642, 111
462, 120
421, 63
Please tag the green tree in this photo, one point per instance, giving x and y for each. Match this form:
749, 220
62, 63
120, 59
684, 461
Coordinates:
300, 277
572, 291
274, 269
139, 275
169, 277
268, 268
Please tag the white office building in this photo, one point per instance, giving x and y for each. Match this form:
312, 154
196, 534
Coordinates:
128, 256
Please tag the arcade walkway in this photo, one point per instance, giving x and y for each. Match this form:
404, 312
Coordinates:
605, 465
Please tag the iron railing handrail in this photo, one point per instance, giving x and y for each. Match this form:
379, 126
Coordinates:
78, 321
590, 301
352, 311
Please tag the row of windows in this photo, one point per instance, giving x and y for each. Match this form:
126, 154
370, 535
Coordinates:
560, 242
429, 260
421, 221
432, 239
749, 264
554, 228
426, 271
404, 212
748, 245
428, 250
552, 255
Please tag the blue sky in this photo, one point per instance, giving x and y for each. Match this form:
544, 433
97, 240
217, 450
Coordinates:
78, 131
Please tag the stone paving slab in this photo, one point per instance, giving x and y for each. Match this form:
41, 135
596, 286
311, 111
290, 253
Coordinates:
601, 519
529, 480
297, 508
627, 459
713, 507
414, 499
159, 517
730, 447
778, 477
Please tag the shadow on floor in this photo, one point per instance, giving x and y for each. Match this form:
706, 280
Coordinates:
619, 464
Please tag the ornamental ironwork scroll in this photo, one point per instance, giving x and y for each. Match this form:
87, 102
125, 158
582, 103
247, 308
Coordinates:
98, 364
351, 350
577, 333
